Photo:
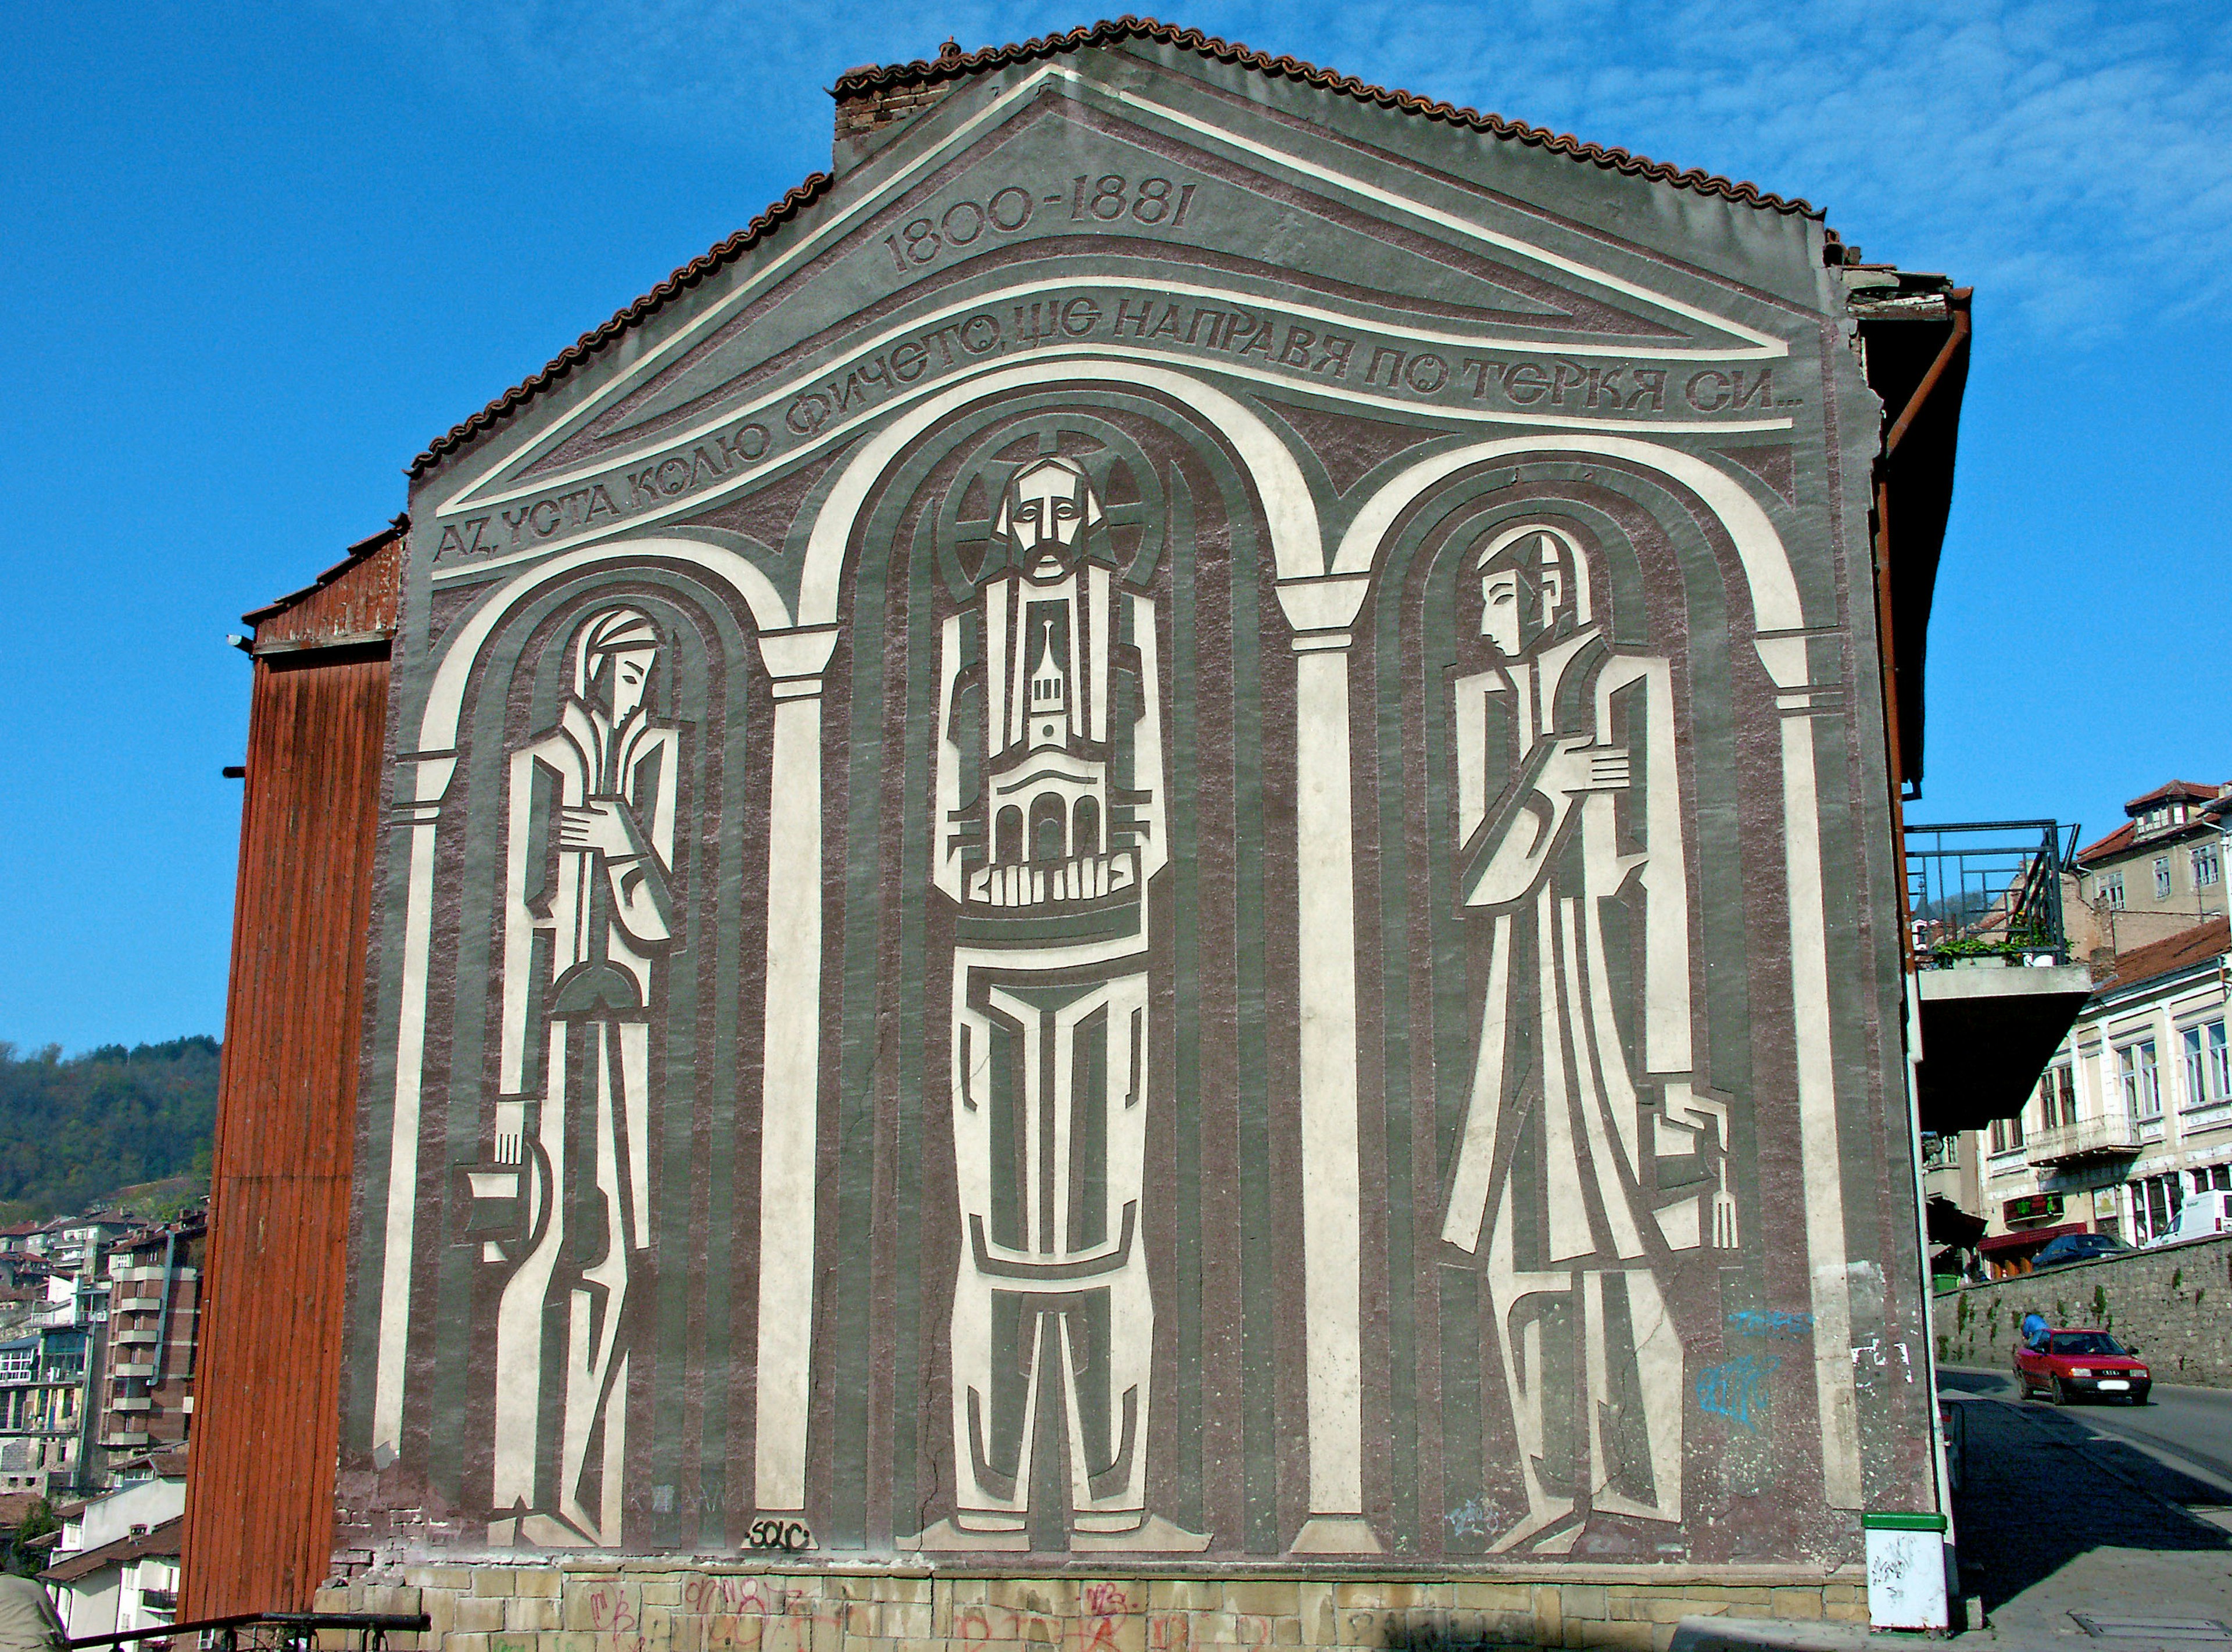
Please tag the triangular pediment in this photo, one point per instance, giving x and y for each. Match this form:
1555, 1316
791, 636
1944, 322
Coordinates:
1144, 213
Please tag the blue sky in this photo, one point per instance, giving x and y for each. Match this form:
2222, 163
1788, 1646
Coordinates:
253, 256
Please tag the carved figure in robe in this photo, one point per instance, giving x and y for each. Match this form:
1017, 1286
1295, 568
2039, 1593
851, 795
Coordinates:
1584, 1098
588, 920
1050, 830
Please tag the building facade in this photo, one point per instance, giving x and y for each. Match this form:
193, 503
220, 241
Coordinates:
43, 1418
155, 1328
2160, 873
2133, 1113
1157, 840
115, 1568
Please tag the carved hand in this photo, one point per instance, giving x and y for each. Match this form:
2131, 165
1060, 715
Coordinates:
1579, 765
604, 824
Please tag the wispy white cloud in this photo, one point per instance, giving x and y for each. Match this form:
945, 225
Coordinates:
2073, 159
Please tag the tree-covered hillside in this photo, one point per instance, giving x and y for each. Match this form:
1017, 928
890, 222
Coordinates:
73, 1131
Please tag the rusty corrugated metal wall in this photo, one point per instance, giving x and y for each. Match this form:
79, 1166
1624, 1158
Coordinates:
259, 1502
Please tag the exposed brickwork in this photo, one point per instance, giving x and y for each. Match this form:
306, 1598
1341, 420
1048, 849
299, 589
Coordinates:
877, 107
647, 1607
2175, 1303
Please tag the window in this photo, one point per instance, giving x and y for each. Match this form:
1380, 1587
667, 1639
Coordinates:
2135, 1067
2204, 865
2207, 1078
2158, 1199
16, 1365
2110, 891
2007, 1135
2060, 1092
2162, 878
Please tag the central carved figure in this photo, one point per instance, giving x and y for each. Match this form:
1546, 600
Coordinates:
1050, 866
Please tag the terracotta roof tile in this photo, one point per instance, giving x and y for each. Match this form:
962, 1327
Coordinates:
2180, 951
650, 304
2176, 791
2114, 842
954, 63
162, 1541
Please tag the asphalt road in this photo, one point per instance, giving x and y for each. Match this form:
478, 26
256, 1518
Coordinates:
2190, 1428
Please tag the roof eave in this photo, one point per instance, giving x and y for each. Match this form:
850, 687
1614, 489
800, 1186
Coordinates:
959, 64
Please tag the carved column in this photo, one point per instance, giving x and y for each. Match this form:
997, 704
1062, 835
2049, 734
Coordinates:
1321, 610
430, 783
791, 1072
1798, 700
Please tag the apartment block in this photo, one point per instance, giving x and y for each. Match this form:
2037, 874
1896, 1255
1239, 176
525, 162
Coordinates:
2133, 1112
155, 1299
41, 1408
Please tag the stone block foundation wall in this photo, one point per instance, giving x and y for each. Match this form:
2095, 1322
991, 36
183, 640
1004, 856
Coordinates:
2175, 1303
657, 1607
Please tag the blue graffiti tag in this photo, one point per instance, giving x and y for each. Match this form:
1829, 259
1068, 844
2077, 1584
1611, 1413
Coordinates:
1735, 1390
1470, 1519
1770, 1322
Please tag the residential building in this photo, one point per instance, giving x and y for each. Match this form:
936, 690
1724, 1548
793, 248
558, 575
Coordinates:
2161, 871
2133, 1112
154, 1329
115, 1567
81, 1243
42, 1419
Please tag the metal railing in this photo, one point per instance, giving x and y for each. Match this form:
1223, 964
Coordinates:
267, 1632
1988, 890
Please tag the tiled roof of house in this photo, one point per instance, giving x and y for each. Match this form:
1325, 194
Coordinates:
2166, 957
2122, 838
2115, 843
2176, 791
954, 63
161, 1541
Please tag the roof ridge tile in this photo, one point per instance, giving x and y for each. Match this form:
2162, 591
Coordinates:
1109, 32
1132, 27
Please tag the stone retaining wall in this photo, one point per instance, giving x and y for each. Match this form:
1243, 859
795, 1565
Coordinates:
646, 1607
2175, 1303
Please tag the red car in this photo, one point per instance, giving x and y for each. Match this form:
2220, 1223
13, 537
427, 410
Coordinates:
2082, 1364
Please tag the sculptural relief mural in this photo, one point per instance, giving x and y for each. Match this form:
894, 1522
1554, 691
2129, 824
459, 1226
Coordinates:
1104, 948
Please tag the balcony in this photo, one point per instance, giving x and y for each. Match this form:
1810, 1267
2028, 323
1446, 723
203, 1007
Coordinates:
2087, 1141
124, 1439
1997, 990
136, 1338
129, 1371
130, 1402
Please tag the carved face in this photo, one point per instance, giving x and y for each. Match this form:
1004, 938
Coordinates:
1047, 507
1504, 600
625, 675
1526, 592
